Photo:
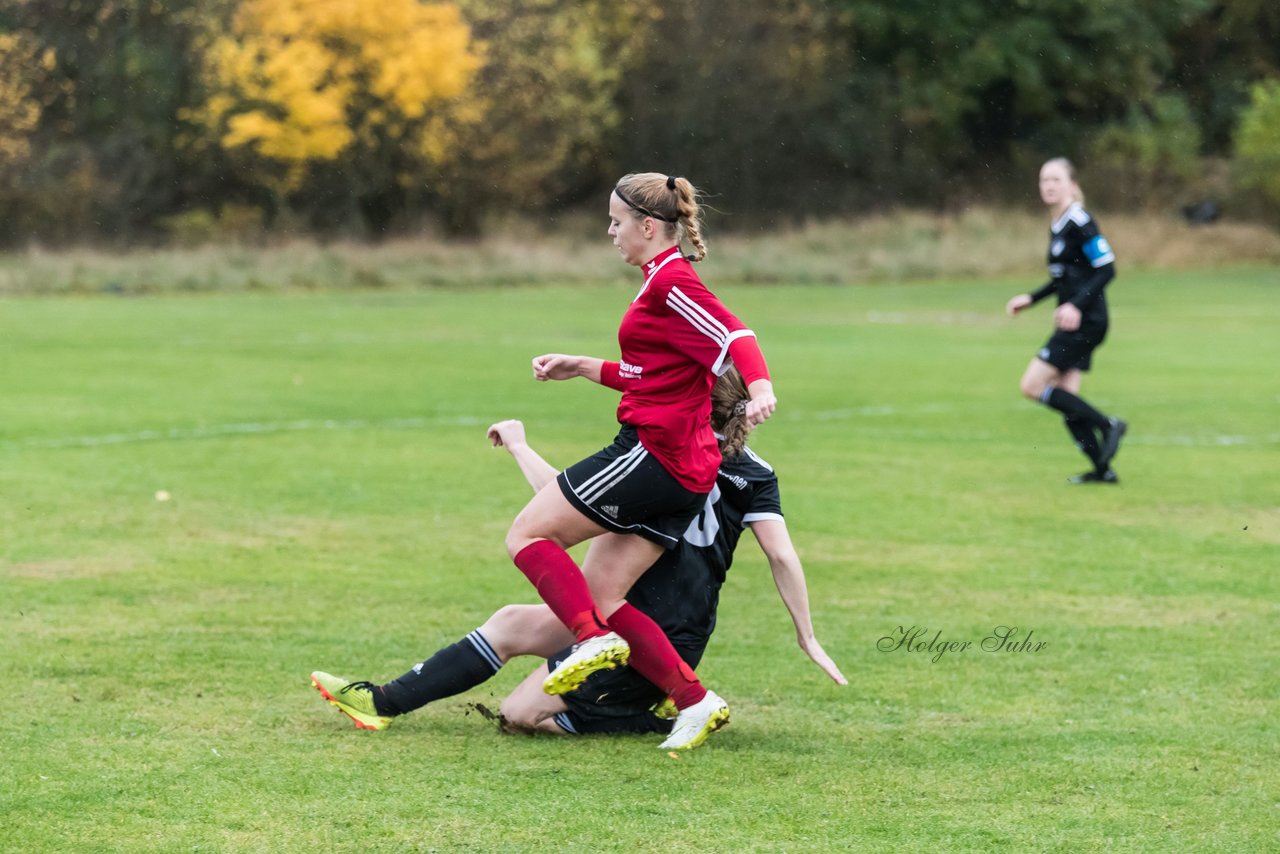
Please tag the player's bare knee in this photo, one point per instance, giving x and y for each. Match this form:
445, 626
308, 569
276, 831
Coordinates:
1032, 388
517, 717
498, 630
516, 542
503, 619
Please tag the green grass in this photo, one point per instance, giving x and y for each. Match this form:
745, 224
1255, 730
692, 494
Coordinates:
334, 505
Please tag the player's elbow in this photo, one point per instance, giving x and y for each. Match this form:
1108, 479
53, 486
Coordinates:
784, 558
785, 564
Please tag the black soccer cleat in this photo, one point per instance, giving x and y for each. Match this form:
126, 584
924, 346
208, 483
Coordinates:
1111, 441
1108, 476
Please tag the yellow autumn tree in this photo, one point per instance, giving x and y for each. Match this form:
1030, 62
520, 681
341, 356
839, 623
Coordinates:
19, 109
329, 100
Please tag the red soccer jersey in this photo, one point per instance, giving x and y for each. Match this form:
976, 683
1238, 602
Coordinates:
674, 340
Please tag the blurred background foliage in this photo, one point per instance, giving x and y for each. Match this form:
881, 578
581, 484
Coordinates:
146, 122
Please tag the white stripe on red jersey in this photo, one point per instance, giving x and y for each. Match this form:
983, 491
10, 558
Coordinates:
674, 339
697, 316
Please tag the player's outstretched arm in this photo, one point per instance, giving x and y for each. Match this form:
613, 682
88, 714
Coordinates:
558, 366
788, 575
510, 435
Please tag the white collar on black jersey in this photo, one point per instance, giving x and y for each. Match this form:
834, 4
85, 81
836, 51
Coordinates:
1075, 212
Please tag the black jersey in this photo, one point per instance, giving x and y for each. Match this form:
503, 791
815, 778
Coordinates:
681, 591
1080, 264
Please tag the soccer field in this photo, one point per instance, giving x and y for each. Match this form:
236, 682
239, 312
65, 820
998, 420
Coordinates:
332, 504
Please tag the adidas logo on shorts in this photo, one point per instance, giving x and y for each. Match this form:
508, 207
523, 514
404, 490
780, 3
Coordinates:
611, 510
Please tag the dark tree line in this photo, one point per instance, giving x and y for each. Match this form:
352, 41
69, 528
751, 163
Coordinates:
782, 110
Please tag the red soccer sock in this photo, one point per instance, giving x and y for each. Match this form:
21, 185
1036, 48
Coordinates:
654, 658
560, 584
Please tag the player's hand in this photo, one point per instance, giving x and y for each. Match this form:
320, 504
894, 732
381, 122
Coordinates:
1017, 304
506, 433
762, 402
814, 650
556, 366
1067, 317
760, 408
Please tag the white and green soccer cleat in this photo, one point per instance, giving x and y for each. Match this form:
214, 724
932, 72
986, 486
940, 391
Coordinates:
599, 653
695, 723
353, 699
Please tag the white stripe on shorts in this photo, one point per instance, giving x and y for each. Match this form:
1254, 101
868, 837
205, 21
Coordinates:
601, 489
590, 489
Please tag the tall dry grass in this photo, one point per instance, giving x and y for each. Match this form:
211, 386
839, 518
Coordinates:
899, 246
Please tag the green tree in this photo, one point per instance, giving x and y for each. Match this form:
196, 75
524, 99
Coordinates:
749, 101
1149, 158
1258, 144
1218, 55
533, 130
965, 87
108, 80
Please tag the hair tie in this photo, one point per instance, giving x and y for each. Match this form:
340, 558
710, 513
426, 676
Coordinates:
671, 182
740, 408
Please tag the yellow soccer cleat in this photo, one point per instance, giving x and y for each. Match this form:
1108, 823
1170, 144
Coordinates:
666, 710
599, 653
353, 699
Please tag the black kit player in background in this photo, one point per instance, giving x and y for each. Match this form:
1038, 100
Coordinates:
680, 592
1081, 264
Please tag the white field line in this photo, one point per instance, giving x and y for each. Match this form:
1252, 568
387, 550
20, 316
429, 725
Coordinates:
214, 431
262, 428
1135, 437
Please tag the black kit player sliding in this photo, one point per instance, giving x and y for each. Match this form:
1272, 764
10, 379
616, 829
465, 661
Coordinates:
680, 593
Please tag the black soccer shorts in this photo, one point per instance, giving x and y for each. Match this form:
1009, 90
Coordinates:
1069, 351
617, 701
625, 489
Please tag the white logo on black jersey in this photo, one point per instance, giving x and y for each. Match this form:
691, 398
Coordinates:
610, 510
1058, 246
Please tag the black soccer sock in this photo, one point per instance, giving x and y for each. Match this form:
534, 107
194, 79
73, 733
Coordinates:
1086, 438
454, 669
1068, 404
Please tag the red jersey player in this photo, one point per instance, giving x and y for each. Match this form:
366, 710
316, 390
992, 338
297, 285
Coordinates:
639, 495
